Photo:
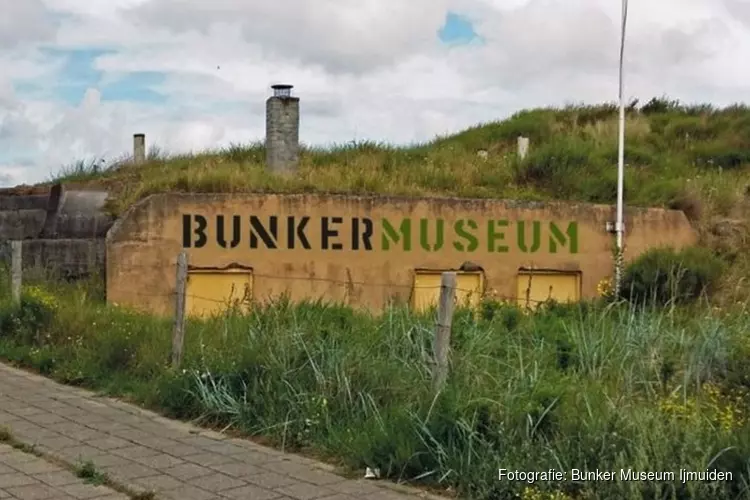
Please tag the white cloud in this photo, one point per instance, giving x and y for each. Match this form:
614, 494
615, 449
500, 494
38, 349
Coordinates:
23, 22
740, 9
372, 69
340, 35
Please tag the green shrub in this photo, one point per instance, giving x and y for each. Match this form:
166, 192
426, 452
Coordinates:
690, 129
9, 320
31, 317
635, 154
660, 105
663, 275
507, 314
553, 167
588, 115
720, 155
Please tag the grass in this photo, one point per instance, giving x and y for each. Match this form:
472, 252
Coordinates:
586, 386
692, 157
87, 471
6, 437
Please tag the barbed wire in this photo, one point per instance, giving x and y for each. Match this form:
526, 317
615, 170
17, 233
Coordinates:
468, 292
481, 292
255, 274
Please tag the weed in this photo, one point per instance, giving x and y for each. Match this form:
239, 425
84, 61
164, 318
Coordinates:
87, 470
26, 448
143, 495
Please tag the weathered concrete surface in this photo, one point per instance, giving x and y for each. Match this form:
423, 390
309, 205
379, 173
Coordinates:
62, 230
25, 202
72, 258
61, 214
82, 202
143, 451
82, 226
69, 259
22, 224
143, 245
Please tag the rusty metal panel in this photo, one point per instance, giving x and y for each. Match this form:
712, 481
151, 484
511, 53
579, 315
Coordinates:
536, 287
426, 291
211, 292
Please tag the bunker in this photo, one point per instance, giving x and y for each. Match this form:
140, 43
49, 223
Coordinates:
368, 251
62, 228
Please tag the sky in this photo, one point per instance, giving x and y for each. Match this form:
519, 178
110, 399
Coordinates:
80, 77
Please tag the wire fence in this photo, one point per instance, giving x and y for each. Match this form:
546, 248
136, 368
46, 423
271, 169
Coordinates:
406, 290
447, 295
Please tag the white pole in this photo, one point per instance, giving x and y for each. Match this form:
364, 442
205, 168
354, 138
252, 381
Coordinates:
619, 225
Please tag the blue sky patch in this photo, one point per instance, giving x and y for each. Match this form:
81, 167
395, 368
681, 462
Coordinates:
79, 73
136, 86
457, 30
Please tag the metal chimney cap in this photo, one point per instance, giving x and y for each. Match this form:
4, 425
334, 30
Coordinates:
282, 90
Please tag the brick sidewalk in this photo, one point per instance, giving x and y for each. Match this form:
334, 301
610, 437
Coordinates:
143, 452
24, 476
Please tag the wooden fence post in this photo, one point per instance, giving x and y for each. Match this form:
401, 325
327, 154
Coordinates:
139, 148
16, 270
178, 331
442, 343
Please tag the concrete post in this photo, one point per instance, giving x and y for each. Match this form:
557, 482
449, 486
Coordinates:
16, 270
282, 130
523, 147
139, 148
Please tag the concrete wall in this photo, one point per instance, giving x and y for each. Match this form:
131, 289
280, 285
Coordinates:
282, 133
62, 230
353, 249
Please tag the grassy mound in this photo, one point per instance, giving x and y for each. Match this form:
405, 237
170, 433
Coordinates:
688, 157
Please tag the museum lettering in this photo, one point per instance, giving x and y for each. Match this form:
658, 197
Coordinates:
338, 233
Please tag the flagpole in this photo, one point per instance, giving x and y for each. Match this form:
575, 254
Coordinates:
619, 225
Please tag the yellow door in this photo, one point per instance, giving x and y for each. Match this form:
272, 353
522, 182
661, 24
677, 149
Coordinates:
535, 287
426, 292
210, 292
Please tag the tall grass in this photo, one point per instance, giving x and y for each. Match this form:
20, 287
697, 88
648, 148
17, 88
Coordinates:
687, 157
586, 386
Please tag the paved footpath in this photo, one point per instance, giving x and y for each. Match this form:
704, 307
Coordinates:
141, 451
24, 476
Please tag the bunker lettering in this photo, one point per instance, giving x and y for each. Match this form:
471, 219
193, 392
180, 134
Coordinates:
338, 233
